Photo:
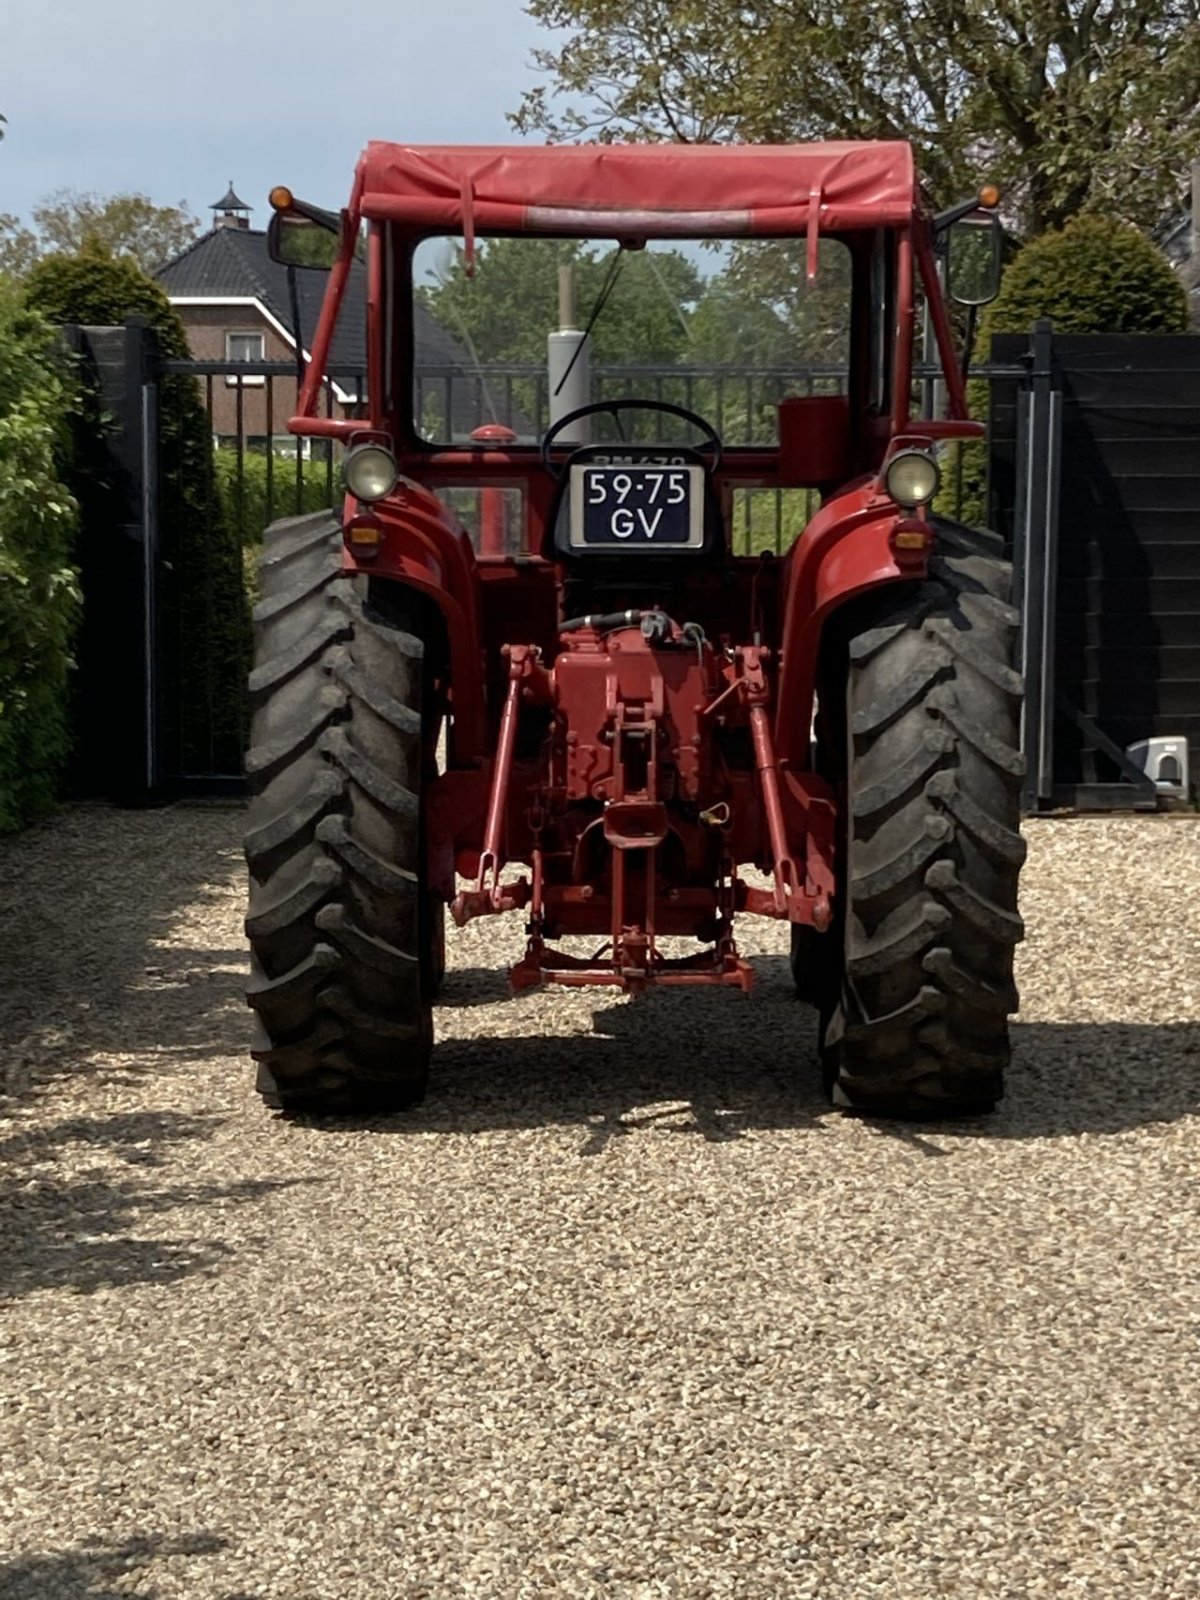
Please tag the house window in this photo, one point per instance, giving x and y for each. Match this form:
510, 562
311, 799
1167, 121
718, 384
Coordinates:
241, 347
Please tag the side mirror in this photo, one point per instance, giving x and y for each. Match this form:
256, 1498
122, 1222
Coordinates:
300, 239
973, 259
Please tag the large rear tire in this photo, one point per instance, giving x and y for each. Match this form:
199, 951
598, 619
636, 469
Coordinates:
339, 976
917, 1024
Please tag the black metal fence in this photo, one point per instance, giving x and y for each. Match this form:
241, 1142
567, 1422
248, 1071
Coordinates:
739, 402
262, 470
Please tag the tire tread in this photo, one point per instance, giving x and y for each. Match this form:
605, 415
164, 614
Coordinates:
342, 1022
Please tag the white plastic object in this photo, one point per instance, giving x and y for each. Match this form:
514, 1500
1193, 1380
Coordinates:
1165, 761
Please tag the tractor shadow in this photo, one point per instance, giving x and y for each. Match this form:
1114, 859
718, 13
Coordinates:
699, 1062
716, 1065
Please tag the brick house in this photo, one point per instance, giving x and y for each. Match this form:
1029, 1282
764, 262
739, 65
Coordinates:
236, 306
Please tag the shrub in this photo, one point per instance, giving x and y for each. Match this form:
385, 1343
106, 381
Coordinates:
203, 604
1097, 275
266, 489
38, 591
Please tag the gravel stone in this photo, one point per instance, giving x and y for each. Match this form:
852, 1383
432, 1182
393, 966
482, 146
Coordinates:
624, 1309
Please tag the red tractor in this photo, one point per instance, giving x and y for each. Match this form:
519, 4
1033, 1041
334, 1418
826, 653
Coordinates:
600, 716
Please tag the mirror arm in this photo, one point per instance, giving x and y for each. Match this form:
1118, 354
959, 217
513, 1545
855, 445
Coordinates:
331, 221
945, 220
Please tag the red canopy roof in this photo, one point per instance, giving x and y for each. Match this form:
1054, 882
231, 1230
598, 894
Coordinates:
607, 190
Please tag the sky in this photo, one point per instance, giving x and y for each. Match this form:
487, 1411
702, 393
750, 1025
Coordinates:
175, 98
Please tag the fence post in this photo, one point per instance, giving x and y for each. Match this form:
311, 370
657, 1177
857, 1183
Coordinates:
1035, 557
139, 450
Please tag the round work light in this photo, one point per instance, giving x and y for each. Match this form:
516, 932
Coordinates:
370, 472
912, 478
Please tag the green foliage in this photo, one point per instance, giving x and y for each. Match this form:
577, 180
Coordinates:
754, 307
769, 519
204, 613
268, 487
94, 287
1070, 106
729, 328
305, 243
129, 226
764, 310
19, 247
506, 310
757, 308
38, 593
1097, 275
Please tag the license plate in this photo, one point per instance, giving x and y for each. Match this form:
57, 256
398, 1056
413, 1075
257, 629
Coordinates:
637, 507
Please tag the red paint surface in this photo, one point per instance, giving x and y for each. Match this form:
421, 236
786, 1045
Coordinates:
855, 184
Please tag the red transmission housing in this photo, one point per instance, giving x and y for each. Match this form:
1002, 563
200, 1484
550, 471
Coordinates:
650, 786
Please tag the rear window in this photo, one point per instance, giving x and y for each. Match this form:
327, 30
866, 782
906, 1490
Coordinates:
725, 331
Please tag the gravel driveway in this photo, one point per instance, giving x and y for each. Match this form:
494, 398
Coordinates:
623, 1310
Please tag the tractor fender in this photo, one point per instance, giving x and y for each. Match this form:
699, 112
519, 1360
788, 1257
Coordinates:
425, 547
844, 551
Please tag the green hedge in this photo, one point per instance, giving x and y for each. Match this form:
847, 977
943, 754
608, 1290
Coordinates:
263, 490
204, 611
1095, 276
256, 494
39, 600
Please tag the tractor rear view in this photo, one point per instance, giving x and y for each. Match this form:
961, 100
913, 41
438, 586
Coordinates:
549, 671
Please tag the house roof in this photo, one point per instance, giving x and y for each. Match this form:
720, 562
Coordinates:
604, 190
234, 263
1175, 242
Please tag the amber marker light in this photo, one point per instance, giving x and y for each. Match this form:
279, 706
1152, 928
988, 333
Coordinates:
906, 538
989, 196
911, 541
364, 536
281, 198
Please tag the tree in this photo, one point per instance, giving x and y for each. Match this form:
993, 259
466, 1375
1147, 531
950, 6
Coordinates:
203, 615
124, 225
19, 247
510, 304
765, 305
1068, 104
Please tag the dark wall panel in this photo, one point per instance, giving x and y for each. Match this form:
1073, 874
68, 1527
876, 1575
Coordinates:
1128, 603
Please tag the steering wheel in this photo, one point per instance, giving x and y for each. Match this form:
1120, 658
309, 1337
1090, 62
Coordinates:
711, 444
